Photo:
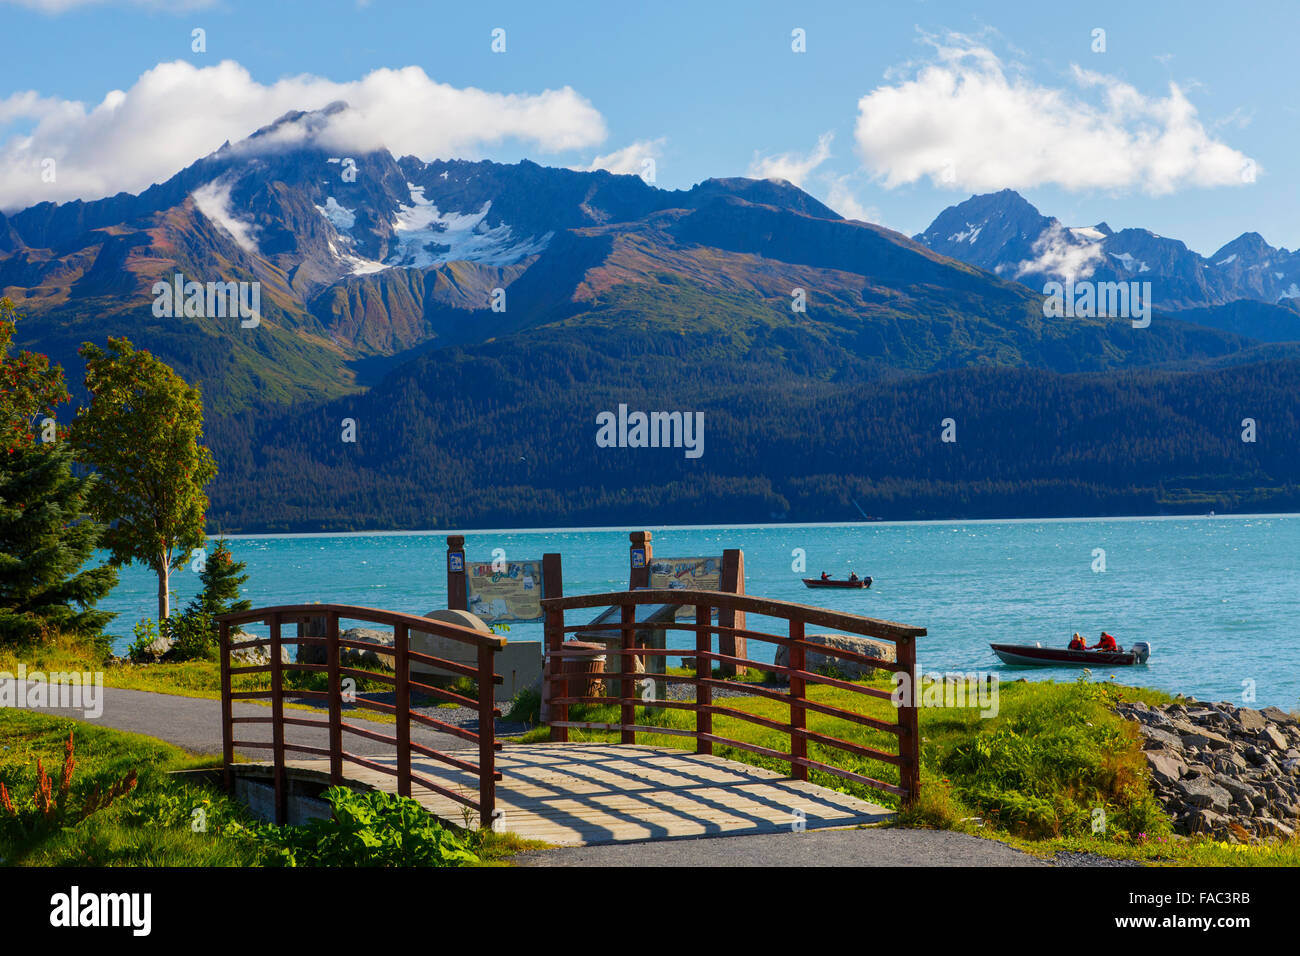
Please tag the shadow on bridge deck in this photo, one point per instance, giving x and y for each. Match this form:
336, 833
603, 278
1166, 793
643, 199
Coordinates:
579, 794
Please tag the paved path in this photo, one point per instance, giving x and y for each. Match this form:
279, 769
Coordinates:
194, 724
868, 846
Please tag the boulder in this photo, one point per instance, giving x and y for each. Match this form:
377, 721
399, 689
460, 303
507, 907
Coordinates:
1202, 739
254, 656
1268, 826
1272, 736
1155, 737
1207, 821
1166, 767
1235, 787
829, 664
1277, 715
1203, 793
352, 657
153, 652
1251, 721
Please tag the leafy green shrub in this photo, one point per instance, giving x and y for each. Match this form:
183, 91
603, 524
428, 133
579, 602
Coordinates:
193, 635
146, 632
367, 829
526, 708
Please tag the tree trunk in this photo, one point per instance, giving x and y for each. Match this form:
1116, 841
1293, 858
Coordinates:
164, 597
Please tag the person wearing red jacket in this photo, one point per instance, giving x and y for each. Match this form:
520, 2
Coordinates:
1107, 643
1077, 643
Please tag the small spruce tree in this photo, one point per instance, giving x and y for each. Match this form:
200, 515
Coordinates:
221, 576
46, 540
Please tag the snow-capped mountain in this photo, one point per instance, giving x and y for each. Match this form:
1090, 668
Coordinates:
1005, 234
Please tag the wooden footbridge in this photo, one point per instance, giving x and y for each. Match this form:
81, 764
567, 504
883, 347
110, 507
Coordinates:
567, 792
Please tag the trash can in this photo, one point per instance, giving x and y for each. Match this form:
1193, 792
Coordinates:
580, 668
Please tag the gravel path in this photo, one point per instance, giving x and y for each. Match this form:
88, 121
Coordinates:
871, 846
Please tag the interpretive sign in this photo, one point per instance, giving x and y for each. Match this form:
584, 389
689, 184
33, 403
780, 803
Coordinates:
512, 592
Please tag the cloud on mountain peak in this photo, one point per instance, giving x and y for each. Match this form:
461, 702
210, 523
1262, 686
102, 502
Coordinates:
176, 113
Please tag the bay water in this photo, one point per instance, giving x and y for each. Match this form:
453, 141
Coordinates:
1218, 598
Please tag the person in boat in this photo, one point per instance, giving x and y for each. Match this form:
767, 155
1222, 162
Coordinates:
825, 576
1107, 643
853, 576
1077, 643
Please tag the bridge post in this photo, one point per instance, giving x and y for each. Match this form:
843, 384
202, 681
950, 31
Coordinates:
227, 710
627, 685
277, 722
798, 716
402, 703
335, 696
553, 683
909, 741
487, 784
732, 581
703, 673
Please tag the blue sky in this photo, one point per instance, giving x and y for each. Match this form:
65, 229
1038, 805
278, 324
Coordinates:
1186, 124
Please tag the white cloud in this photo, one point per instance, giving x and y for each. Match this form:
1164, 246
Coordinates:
841, 197
1059, 252
629, 160
176, 113
794, 167
968, 121
213, 201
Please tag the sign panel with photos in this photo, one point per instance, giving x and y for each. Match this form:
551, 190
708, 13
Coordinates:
686, 574
509, 591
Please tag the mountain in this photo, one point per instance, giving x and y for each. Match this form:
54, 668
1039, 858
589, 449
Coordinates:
1006, 235
472, 318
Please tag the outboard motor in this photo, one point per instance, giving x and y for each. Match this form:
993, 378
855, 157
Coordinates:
1141, 651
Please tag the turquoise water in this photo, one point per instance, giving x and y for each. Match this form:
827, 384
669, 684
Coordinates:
1217, 597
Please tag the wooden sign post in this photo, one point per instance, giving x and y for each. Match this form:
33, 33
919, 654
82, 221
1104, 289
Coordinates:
640, 555
733, 582
457, 585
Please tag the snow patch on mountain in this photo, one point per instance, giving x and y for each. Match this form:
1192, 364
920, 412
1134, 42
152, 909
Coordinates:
213, 200
1128, 262
1230, 259
342, 218
1293, 292
427, 237
969, 234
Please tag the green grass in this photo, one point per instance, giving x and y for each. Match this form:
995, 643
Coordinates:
149, 826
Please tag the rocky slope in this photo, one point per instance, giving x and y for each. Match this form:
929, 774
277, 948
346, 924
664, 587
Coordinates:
1230, 772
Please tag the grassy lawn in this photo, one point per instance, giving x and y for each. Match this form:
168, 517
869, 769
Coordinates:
1033, 775
150, 825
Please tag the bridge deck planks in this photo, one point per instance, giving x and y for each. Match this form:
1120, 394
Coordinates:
579, 794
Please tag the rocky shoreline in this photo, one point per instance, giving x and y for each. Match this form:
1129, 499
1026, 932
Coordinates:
1230, 772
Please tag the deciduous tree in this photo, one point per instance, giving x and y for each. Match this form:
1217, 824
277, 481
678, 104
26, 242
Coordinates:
141, 432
